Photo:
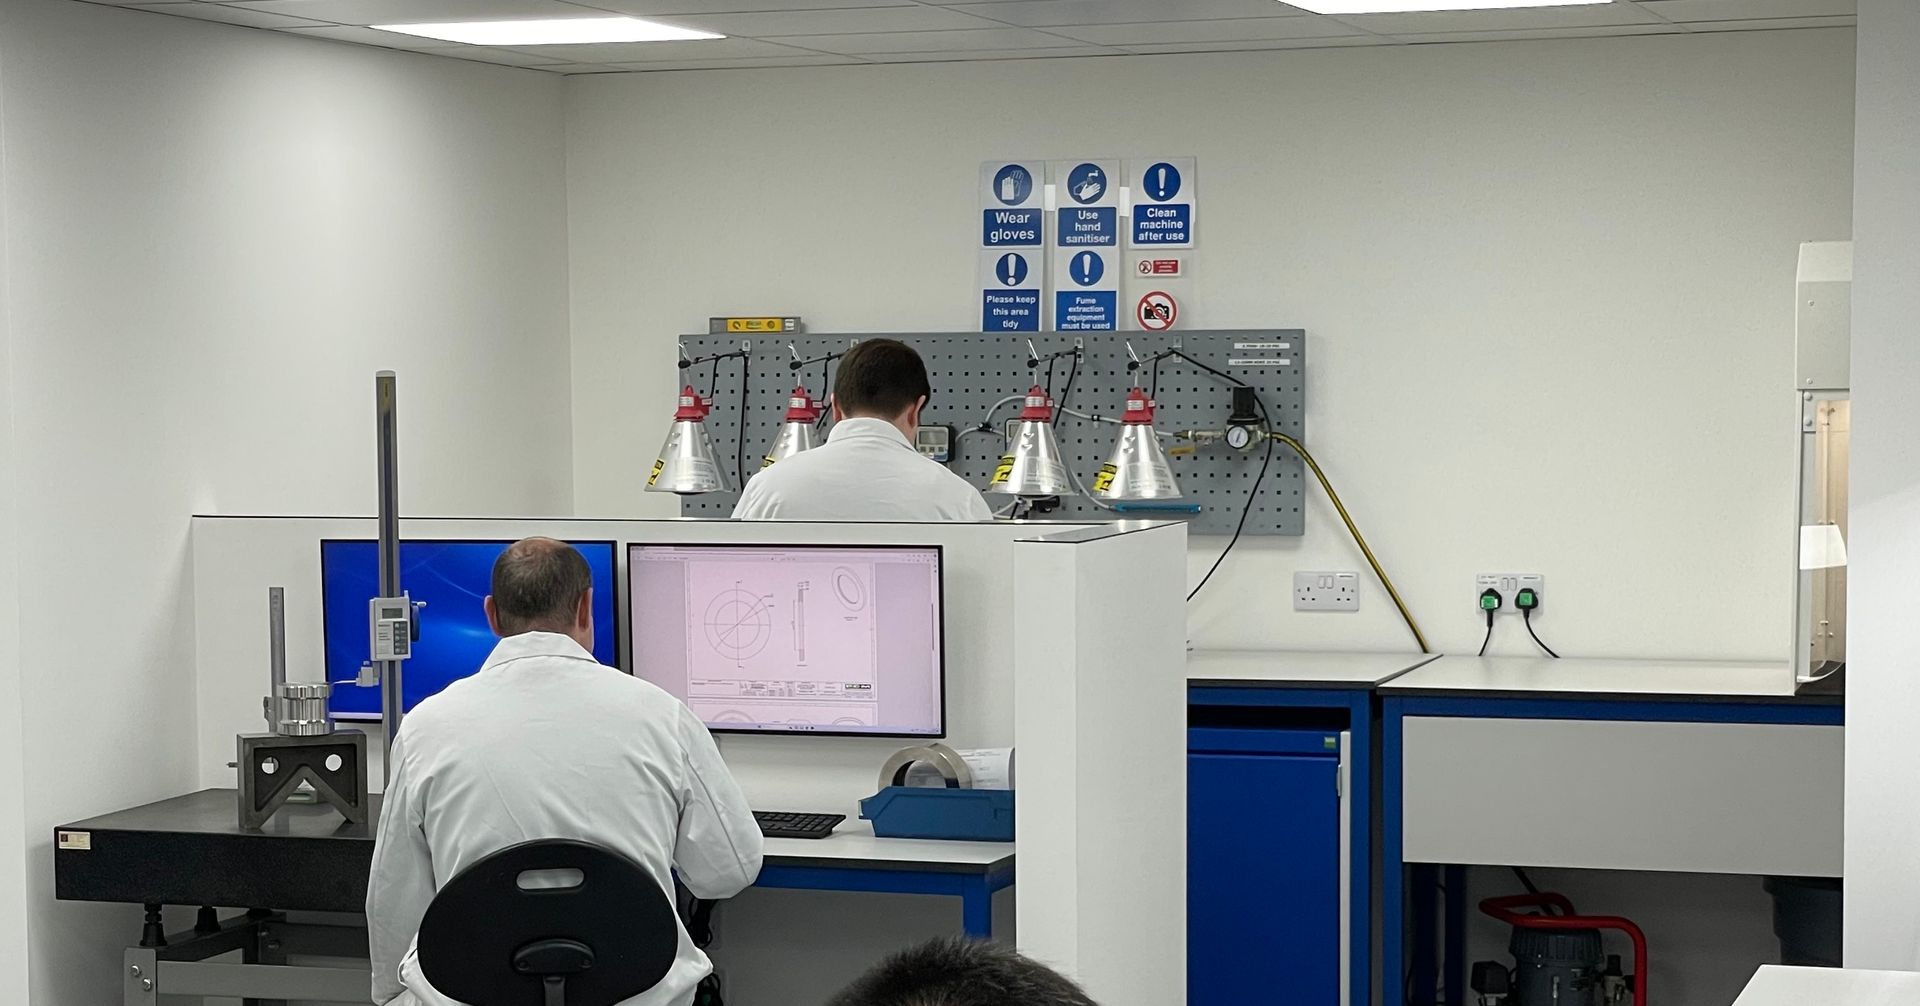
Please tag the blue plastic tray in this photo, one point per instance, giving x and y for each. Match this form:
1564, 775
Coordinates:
971, 815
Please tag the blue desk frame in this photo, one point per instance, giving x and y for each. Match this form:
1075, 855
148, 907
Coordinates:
1358, 701
1394, 899
975, 887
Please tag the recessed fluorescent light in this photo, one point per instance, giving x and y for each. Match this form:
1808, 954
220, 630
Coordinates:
1409, 6
558, 31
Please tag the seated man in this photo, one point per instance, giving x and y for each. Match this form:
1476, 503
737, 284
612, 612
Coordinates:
956, 972
545, 742
868, 470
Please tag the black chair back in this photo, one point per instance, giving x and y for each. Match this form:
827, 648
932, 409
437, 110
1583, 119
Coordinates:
488, 941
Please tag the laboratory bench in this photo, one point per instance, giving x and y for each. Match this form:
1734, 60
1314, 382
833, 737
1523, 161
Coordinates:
1643, 765
1281, 758
190, 851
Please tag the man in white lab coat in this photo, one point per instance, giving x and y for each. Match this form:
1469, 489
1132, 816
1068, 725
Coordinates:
545, 742
868, 470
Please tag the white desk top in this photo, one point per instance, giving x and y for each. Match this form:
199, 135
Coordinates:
1779, 986
854, 842
1541, 676
1295, 669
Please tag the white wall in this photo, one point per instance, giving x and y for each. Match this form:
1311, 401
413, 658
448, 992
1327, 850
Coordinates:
214, 237
1883, 693
1547, 285
13, 826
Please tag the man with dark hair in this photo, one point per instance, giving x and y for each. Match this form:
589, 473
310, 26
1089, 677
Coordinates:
956, 972
869, 469
544, 742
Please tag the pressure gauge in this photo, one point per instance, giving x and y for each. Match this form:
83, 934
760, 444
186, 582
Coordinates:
1239, 437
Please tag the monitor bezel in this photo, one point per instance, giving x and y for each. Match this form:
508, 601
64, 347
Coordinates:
619, 602
940, 588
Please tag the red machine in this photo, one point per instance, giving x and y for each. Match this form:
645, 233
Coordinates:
1557, 956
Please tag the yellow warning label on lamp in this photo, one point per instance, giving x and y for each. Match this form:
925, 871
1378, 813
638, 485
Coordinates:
658, 467
1103, 479
1004, 470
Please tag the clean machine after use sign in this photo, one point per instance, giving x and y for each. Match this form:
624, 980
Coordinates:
1013, 230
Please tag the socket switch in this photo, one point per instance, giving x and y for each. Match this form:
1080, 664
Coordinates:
1509, 585
1326, 591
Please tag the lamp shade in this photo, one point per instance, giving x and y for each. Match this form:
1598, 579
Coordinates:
1822, 546
797, 433
1139, 469
1033, 466
686, 464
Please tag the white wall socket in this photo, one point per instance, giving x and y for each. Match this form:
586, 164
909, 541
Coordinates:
1326, 591
1509, 585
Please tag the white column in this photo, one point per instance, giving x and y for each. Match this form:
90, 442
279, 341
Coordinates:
13, 826
1883, 687
1100, 716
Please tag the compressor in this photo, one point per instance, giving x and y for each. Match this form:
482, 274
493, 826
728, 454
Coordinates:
1558, 958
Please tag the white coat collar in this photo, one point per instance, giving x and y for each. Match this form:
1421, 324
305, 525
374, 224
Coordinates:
868, 428
536, 644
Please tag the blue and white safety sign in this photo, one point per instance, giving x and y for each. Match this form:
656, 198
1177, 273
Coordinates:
1086, 205
1013, 229
1164, 197
1086, 291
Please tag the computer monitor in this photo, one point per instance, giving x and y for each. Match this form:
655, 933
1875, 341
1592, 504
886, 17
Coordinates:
794, 639
453, 578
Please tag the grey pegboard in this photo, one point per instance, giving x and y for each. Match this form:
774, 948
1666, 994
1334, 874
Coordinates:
973, 371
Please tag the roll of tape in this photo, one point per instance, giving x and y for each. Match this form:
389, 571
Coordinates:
953, 768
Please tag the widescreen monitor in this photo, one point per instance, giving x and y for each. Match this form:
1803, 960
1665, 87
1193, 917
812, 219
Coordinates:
794, 639
453, 578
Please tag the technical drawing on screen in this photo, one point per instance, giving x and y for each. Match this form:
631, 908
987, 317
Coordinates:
793, 638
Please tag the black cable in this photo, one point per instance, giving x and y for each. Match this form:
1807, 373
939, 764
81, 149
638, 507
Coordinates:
713, 380
1525, 881
740, 441
1153, 386
1073, 370
1489, 639
1244, 512
1526, 615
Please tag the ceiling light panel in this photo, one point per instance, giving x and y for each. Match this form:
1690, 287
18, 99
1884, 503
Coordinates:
555, 31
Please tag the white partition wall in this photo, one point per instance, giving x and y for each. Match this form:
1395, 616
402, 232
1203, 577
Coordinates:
1100, 721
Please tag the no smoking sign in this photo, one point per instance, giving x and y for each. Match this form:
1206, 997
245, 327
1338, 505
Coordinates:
1157, 311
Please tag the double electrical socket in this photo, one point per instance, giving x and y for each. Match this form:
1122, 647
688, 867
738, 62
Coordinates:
1509, 585
1326, 591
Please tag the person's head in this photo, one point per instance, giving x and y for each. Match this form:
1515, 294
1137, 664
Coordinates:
882, 379
957, 972
542, 585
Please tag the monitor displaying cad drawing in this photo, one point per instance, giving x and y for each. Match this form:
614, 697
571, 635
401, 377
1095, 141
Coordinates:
815, 639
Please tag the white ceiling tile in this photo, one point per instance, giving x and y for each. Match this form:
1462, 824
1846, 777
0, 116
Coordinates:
1062, 52
926, 41
647, 52
653, 8
1744, 10
1235, 30
1047, 13
229, 15
502, 57
362, 12
1259, 45
578, 68
830, 22
376, 37
1430, 22
770, 62
1522, 34
1775, 23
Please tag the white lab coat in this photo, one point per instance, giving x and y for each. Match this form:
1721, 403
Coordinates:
866, 471
544, 742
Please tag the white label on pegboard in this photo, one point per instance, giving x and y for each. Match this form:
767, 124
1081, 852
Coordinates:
1276, 362
1263, 346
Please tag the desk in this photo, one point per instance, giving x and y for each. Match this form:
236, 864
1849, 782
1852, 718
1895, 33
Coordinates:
1281, 750
1778, 986
1675, 766
191, 851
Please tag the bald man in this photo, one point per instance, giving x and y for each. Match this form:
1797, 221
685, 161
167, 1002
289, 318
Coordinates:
545, 742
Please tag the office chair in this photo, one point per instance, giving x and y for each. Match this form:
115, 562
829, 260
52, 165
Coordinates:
489, 941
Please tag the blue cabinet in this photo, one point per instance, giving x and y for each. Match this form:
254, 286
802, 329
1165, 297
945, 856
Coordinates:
1265, 891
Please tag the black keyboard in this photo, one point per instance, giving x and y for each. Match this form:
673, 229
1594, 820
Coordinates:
782, 824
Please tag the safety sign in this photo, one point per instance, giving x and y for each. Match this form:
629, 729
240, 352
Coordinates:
1157, 311
1086, 240
1165, 198
1012, 277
